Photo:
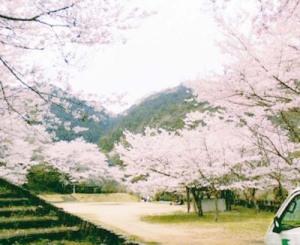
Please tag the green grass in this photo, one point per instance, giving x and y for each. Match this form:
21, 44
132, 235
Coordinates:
241, 223
19, 208
238, 214
7, 233
27, 218
111, 197
62, 242
12, 199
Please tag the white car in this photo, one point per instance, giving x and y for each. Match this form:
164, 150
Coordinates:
285, 229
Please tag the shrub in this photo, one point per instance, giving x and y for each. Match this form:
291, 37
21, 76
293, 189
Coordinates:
111, 186
166, 196
45, 178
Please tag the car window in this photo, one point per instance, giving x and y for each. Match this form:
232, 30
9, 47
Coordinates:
291, 216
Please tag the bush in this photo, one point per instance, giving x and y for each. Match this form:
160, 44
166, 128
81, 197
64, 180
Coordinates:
280, 194
111, 186
100, 186
45, 178
166, 196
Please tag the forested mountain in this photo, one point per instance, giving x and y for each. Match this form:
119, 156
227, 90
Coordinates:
166, 109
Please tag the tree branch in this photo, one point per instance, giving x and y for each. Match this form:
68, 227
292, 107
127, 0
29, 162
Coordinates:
36, 17
11, 70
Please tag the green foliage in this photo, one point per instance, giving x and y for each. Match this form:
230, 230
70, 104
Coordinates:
115, 160
45, 178
111, 186
84, 187
290, 120
103, 186
138, 178
106, 143
166, 196
280, 194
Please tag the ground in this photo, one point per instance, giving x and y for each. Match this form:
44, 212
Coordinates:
162, 223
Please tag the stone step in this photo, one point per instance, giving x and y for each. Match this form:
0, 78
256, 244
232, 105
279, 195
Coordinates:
16, 201
9, 194
29, 222
22, 210
10, 236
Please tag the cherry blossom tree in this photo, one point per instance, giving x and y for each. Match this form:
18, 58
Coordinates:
260, 83
81, 160
21, 147
42, 41
261, 76
202, 157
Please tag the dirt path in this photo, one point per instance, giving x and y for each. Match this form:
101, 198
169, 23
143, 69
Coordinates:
125, 218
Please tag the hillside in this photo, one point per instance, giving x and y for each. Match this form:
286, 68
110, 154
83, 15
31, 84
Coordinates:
166, 109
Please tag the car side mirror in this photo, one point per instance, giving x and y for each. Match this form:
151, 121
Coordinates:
277, 225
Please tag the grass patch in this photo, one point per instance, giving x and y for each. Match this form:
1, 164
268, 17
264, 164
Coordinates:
241, 223
62, 242
23, 232
19, 208
110, 197
27, 218
238, 214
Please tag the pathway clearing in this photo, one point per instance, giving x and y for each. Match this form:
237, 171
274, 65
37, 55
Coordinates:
125, 218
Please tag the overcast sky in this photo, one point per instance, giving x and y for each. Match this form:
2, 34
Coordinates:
175, 45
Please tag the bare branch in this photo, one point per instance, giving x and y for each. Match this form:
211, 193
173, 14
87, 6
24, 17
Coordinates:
36, 17
11, 70
10, 106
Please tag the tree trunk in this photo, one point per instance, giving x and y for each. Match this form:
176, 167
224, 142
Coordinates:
227, 195
188, 199
197, 201
216, 207
253, 199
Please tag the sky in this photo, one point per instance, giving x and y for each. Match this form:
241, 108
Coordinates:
174, 45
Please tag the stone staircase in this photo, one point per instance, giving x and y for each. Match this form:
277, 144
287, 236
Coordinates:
23, 220
27, 219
